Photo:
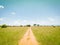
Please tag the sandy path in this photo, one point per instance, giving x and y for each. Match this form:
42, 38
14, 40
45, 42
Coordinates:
28, 38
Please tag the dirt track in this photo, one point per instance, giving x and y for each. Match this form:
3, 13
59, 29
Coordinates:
28, 38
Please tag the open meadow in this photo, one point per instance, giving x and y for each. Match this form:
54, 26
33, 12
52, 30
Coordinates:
11, 35
47, 35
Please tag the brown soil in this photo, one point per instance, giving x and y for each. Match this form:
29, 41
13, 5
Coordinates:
28, 38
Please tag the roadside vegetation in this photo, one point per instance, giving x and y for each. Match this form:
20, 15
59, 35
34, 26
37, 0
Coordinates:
11, 35
47, 35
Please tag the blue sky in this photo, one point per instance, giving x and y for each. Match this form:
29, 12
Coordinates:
21, 12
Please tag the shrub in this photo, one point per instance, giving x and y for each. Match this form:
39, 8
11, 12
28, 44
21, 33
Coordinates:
53, 26
4, 26
28, 25
34, 24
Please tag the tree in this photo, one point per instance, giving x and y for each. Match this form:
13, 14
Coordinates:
4, 26
53, 26
28, 25
21, 25
38, 25
34, 24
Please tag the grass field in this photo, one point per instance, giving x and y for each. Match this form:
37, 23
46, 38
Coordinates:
47, 35
11, 35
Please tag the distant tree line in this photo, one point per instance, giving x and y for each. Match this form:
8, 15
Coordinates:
36, 25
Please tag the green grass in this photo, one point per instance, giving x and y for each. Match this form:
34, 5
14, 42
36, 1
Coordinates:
47, 35
11, 35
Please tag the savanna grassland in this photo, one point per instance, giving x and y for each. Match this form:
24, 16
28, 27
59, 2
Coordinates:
11, 35
47, 35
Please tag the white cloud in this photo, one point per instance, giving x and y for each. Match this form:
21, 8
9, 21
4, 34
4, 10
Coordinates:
1, 6
1, 19
13, 13
16, 22
51, 19
24, 21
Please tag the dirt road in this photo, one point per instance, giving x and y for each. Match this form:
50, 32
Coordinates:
28, 38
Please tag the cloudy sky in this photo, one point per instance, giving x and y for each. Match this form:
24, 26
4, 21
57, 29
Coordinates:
18, 12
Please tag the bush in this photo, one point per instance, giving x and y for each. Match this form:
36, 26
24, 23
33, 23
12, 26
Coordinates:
28, 25
53, 26
21, 25
34, 24
4, 26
